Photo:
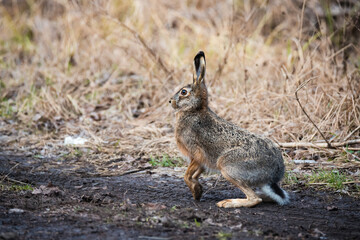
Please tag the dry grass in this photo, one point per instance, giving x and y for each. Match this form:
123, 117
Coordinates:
104, 70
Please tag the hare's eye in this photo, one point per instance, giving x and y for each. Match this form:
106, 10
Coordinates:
183, 92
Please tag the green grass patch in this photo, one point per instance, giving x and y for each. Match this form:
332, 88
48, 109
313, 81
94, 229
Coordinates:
165, 161
197, 224
310, 40
16, 187
323, 179
332, 179
7, 109
223, 235
291, 178
28, 101
73, 152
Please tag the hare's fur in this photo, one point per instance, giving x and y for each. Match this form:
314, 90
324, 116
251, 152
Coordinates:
244, 159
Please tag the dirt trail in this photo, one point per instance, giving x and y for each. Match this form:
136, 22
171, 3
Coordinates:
156, 204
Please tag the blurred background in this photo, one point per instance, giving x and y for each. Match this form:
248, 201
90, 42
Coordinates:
102, 72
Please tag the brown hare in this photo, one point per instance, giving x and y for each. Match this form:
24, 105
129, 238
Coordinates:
243, 158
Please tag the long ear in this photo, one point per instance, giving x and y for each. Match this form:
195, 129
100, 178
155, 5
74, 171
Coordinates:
200, 67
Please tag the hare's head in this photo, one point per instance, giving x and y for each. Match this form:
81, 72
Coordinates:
193, 96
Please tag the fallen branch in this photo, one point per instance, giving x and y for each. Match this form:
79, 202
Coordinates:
350, 134
7, 175
153, 238
353, 148
351, 182
318, 145
14, 180
133, 171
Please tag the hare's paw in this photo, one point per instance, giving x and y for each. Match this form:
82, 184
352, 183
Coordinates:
224, 203
197, 191
235, 203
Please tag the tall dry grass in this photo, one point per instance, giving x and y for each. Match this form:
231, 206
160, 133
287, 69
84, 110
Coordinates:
104, 70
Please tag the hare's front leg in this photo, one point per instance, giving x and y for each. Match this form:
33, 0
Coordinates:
191, 179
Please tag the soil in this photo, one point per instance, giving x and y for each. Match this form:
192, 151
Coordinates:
155, 203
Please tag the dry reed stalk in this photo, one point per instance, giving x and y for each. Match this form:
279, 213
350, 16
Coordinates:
302, 108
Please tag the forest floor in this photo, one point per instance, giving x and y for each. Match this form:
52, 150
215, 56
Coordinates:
61, 202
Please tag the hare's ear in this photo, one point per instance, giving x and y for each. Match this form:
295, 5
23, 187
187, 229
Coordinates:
200, 67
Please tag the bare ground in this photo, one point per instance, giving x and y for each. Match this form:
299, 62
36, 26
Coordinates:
154, 203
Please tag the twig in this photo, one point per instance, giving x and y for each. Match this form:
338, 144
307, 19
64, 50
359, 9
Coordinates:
353, 149
351, 182
153, 238
218, 72
143, 43
7, 175
121, 174
354, 156
196, 206
246, 75
133, 171
350, 134
302, 19
318, 145
222, 64
341, 50
213, 186
14, 180
302, 108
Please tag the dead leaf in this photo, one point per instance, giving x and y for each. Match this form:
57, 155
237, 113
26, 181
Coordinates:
48, 191
37, 117
127, 205
95, 116
332, 208
153, 206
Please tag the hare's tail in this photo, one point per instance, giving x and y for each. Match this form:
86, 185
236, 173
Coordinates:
276, 193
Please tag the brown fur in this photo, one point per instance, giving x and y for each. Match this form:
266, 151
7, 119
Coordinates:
244, 159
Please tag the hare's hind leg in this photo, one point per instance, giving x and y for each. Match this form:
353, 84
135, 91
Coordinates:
191, 179
251, 198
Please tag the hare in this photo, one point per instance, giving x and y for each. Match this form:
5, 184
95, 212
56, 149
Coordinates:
243, 158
